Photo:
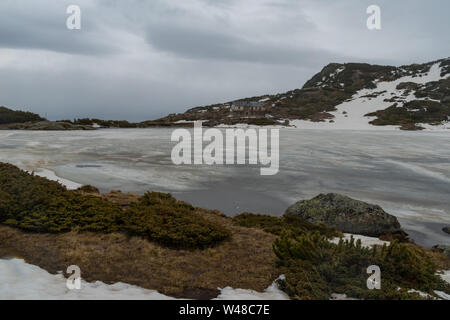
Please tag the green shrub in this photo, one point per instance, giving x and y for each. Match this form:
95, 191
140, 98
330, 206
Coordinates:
11, 116
36, 204
315, 268
161, 218
88, 189
278, 225
412, 112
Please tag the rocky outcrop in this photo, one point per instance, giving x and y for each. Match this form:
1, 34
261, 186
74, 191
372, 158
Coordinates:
338, 83
346, 215
446, 230
48, 125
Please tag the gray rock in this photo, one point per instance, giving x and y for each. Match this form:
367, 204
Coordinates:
346, 215
446, 230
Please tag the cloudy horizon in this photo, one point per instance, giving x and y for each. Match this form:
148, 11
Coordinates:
142, 60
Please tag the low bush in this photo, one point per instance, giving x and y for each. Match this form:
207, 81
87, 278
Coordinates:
11, 116
315, 268
36, 204
88, 189
162, 218
278, 225
412, 112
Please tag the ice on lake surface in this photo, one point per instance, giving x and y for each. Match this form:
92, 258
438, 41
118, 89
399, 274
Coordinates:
407, 173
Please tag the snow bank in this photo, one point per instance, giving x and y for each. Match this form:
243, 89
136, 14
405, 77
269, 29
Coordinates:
20, 280
446, 275
271, 293
50, 175
365, 241
350, 115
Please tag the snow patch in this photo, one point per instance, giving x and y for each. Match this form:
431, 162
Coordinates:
271, 293
365, 241
20, 280
359, 105
50, 175
445, 275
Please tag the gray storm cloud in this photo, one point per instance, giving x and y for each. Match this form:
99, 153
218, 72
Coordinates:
141, 60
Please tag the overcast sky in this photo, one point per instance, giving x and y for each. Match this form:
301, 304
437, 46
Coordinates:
144, 59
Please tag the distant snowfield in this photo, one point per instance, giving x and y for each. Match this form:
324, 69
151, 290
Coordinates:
20, 280
350, 115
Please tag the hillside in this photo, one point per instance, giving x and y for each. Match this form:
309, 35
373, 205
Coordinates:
343, 96
8, 116
21, 120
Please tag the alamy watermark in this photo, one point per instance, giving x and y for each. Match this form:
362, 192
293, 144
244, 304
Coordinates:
230, 149
374, 20
374, 281
74, 280
73, 22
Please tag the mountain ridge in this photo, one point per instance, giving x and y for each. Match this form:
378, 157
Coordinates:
336, 84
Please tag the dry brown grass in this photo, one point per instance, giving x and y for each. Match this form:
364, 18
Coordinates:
123, 199
245, 261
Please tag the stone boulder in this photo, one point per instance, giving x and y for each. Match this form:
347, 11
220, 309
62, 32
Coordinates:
346, 215
446, 230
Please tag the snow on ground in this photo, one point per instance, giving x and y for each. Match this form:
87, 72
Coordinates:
351, 114
440, 294
440, 127
20, 280
271, 293
183, 121
249, 126
446, 275
50, 175
365, 241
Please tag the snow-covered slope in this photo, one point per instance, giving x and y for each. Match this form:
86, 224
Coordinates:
351, 114
354, 96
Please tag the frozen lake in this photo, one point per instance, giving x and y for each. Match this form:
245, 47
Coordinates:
407, 173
